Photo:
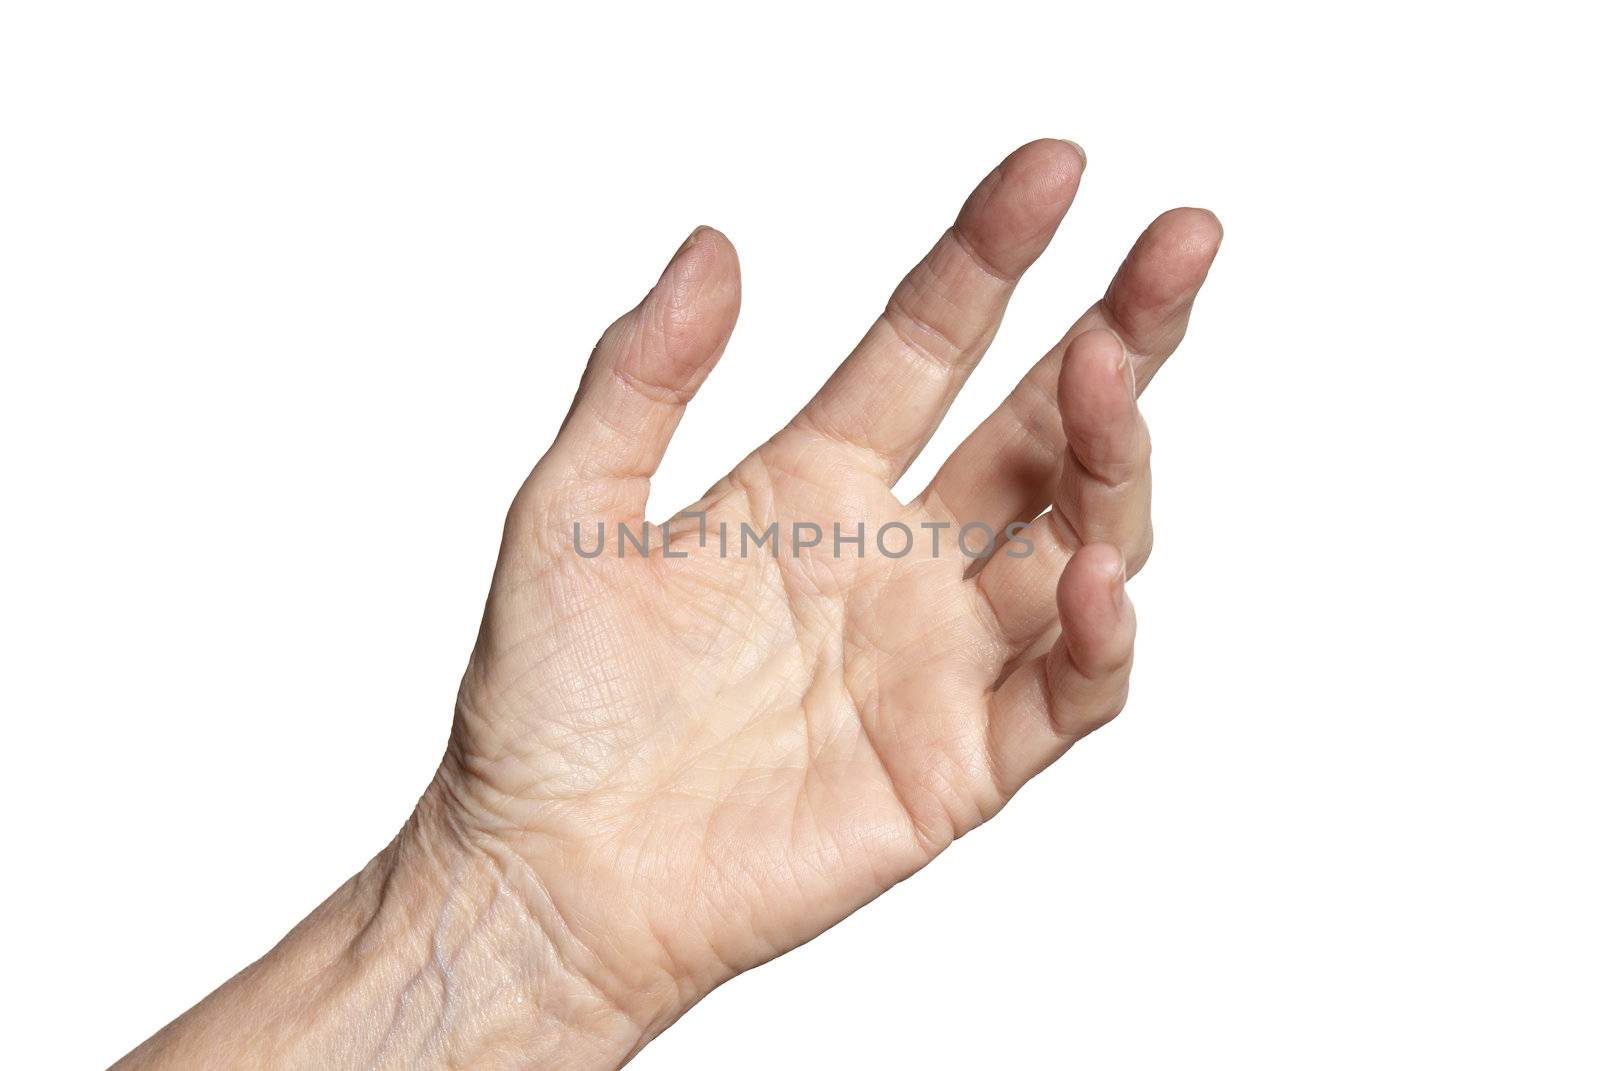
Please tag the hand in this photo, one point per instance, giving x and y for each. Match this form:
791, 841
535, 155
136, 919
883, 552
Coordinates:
686, 765
667, 768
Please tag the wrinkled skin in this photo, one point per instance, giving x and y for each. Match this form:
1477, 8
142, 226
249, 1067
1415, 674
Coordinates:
683, 766
666, 768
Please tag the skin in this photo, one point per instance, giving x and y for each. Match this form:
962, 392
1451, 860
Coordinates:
663, 770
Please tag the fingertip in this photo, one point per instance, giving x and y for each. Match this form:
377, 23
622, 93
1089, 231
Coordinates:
1090, 572
689, 242
1206, 221
1095, 355
709, 237
1096, 616
1106, 560
1012, 215
1186, 240
706, 256
1150, 298
698, 296
1051, 164
668, 343
1096, 395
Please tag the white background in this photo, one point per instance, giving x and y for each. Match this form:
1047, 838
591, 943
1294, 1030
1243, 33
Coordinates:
292, 295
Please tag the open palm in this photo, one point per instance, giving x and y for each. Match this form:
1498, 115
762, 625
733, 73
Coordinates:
689, 759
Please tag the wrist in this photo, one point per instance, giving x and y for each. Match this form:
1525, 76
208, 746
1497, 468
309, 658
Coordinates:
614, 978
448, 946
428, 957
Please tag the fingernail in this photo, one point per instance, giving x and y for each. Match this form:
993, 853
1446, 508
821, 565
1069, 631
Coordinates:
1081, 154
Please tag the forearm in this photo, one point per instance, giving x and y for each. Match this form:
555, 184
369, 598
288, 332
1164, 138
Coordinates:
424, 959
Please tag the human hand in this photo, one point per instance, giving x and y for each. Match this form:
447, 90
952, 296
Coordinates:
669, 767
685, 765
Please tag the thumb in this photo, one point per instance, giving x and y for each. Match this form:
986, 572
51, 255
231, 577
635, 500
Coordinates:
643, 372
